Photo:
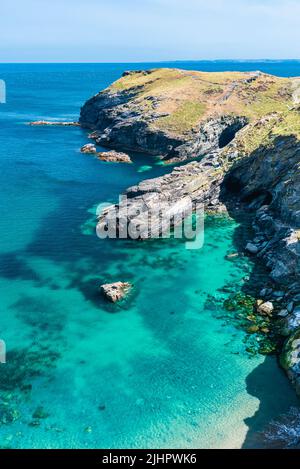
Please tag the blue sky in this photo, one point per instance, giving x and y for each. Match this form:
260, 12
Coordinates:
145, 30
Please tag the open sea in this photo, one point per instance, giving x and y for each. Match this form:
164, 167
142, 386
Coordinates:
165, 370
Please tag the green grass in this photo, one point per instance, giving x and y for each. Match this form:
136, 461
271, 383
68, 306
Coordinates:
183, 119
263, 132
189, 97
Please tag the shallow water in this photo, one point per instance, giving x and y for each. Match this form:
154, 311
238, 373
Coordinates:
163, 370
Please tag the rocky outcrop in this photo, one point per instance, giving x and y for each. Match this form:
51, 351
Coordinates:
114, 157
89, 148
55, 123
196, 182
115, 291
179, 114
109, 156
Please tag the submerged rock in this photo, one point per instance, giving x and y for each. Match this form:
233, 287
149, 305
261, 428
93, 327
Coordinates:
114, 157
115, 291
232, 255
40, 413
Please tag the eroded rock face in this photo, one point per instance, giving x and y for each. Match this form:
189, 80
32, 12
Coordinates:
268, 181
129, 131
290, 358
115, 291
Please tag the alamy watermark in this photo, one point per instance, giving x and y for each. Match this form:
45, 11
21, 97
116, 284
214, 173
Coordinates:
2, 351
153, 217
2, 92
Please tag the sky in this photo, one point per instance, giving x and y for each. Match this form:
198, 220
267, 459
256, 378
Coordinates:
148, 30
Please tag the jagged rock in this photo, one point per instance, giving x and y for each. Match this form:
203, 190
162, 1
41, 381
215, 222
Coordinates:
88, 148
114, 157
115, 291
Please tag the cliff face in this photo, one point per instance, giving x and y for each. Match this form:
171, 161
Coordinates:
178, 114
246, 127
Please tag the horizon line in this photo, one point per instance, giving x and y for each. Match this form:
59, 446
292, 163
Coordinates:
154, 61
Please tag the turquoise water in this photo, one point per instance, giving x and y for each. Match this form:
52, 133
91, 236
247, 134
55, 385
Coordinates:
164, 370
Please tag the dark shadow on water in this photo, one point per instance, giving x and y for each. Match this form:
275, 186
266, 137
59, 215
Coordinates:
267, 382
276, 396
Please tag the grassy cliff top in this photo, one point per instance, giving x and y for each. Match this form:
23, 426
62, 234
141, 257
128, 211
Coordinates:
182, 99
264, 132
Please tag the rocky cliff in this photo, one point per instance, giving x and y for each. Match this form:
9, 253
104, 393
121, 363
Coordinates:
247, 126
179, 114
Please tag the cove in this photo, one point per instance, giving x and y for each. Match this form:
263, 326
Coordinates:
168, 369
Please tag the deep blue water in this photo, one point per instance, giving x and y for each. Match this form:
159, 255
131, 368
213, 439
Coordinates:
161, 372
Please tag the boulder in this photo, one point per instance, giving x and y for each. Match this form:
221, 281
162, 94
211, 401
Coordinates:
115, 291
265, 308
252, 248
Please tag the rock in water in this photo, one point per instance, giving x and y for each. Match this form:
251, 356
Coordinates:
115, 291
265, 308
114, 157
88, 148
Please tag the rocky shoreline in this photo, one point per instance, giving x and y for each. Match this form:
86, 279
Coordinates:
247, 131
55, 123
